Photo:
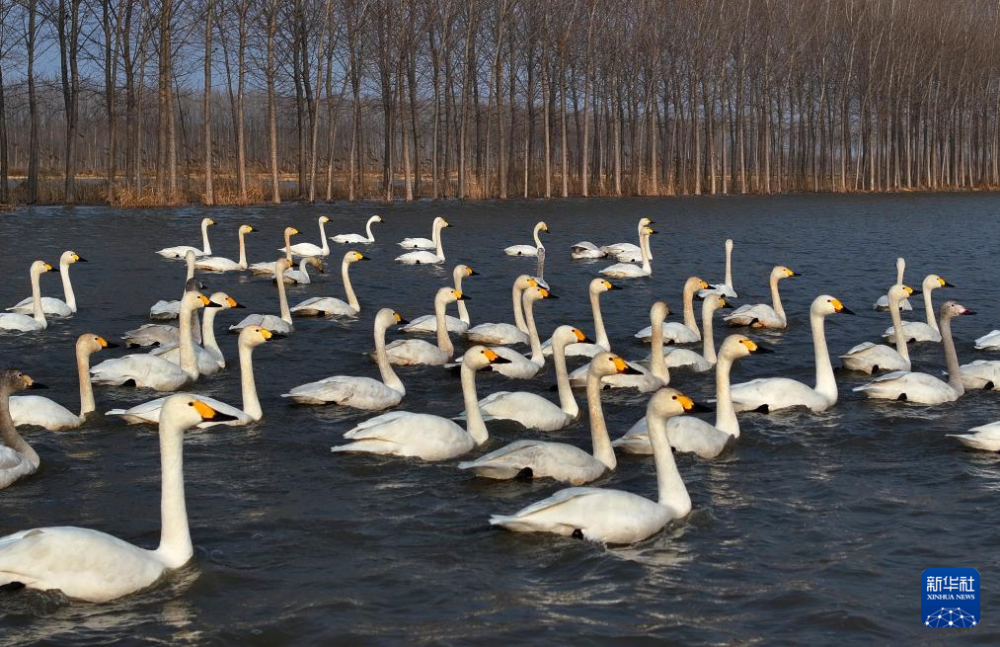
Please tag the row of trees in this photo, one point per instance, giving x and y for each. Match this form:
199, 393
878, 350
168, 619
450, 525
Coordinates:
240, 101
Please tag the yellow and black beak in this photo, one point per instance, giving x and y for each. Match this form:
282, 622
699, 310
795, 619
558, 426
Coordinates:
581, 338
461, 296
207, 413
30, 384
79, 259
399, 319
362, 257
840, 308
208, 303
471, 272
231, 302
623, 368
944, 283
547, 295
725, 305
495, 358
104, 343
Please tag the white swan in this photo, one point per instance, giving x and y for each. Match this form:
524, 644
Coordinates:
522, 367
505, 334
165, 334
560, 461
646, 380
773, 393
93, 566
532, 410
459, 324
276, 324
331, 306
358, 239
52, 305
359, 392
692, 435
310, 249
725, 289
921, 387
676, 357
425, 243
634, 252
222, 264
984, 437
37, 411
989, 341
415, 352
426, 436
681, 333
17, 458
250, 338
595, 289
181, 250
882, 304
622, 250
628, 270
528, 250
585, 250
148, 371
164, 310
16, 322
423, 256
872, 358
613, 516
918, 331
208, 355
301, 275
267, 269
761, 315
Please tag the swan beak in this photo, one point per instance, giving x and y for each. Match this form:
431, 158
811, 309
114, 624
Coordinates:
104, 343
231, 302
582, 338
608, 285
844, 310
208, 303
399, 319
697, 407
725, 305
795, 274
461, 296
494, 358
79, 259
30, 383
945, 284
36, 385
362, 257
548, 295
208, 413
761, 349
472, 272
966, 311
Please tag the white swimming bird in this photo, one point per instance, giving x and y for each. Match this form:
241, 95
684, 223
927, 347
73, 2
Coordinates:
52, 305
676, 357
560, 461
681, 333
165, 310
692, 435
282, 324
725, 289
425, 243
872, 358
267, 268
646, 380
585, 250
181, 250
414, 352
423, 256
918, 331
628, 270
332, 306
363, 393
522, 367
358, 239
613, 516
423, 435
984, 437
882, 304
301, 275
761, 315
16, 322
209, 356
17, 458
989, 341
505, 334
93, 566
621, 250
773, 393
923, 388
250, 338
38, 411
595, 289
311, 249
165, 334
223, 264
459, 324
528, 250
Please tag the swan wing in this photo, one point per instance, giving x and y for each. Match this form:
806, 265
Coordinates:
146, 371
981, 374
914, 330
13, 465
624, 271
416, 243
520, 367
217, 264
350, 238
19, 322
559, 461
529, 409
37, 411
584, 246
419, 258
521, 250
357, 392
914, 387
328, 306
695, 436
989, 341
419, 435
496, 334
406, 352
774, 393
50, 306
428, 324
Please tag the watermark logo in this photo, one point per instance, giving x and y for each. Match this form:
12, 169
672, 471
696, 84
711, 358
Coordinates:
950, 597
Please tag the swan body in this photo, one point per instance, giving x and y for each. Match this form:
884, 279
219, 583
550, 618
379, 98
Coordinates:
303, 250
724, 289
17, 458
920, 331
624, 251
882, 304
410, 352
166, 310
459, 324
989, 341
51, 305
657, 376
680, 333
984, 437
268, 268
222, 264
281, 325
586, 250
425, 243
15, 322
422, 255
358, 239
761, 315
595, 289
208, 355
528, 250
981, 374
628, 270
505, 334
331, 306
180, 251
301, 275
871, 358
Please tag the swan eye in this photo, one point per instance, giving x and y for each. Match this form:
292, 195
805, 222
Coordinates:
674, 397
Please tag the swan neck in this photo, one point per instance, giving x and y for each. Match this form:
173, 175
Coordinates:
368, 230
826, 384
36, 298
286, 314
243, 251
345, 275
776, 299
208, 341
206, 246
599, 331
463, 310
670, 486
443, 339
897, 327
657, 362
516, 292
323, 239
951, 357
729, 266
538, 241
67, 285
708, 335
189, 260
288, 247
389, 377
689, 320
603, 451
9, 435
175, 537
644, 249
87, 404
438, 244
189, 362
473, 415
537, 356
251, 403
725, 415
566, 400
929, 308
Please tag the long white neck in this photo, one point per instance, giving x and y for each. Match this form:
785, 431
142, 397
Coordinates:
672, 492
389, 377
443, 339
68, 293
599, 331
929, 306
708, 336
473, 415
644, 243
437, 242
189, 261
776, 298
897, 327
36, 299
175, 537
515, 294
603, 451
657, 363
189, 361
9, 435
689, 320
286, 314
951, 357
826, 385
729, 265
288, 247
208, 341
206, 246
368, 230
251, 403
243, 252
644, 248
537, 356
566, 400
900, 270
345, 275
725, 416
463, 311
322, 237
87, 404
538, 241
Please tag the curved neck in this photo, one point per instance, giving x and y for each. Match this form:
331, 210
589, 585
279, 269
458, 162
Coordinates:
36, 298
929, 308
657, 363
437, 242
189, 260
389, 377
463, 311
208, 341
175, 537
776, 298
538, 241
725, 416
708, 336
603, 451
644, 245
473, 415
826, 385
243, 252
288, 247
206, 247
729, 266
325, 244
352, 299
286, 314
443, 340
566, 400
368, 230
68, 293
9, 435
189, 362
599, 332
670, 486
515, 294
87, 404
897, 327
689, 320
251, 403
951, 357
537, 356
900, 269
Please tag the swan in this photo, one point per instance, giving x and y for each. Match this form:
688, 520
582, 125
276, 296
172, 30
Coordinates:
773, 393
181, 250
560, 461
646, 380
165, 334
532, 410
52, 305
309, 249
222, 264
677, 333
596, 288
422, 256
301, 275
981, 374
427, 436
761, 315
633, 254
528, 250
164, 310
267, 269
725, 289
626, 249
921, 387
989, 341
628, 270
36, 411
460, 324
882, 305
413, 352
331, 306
359, 392
522, 367
250, 337
585, 250
675, 357
93, 566
984, 437
358, 239
919, 331
209, 356
17, 458
425, 243
872, 358
505, 334
692, 435
149, 371
16, 322
281, 325
613, 516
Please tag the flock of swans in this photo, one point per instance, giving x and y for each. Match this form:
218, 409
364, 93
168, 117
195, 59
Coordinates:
93, 566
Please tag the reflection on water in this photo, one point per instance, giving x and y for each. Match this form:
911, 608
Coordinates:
799, 530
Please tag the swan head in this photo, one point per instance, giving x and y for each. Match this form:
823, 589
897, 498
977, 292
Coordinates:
440, 223
715, 302
89, 343
606, 363
542, 227
13, 380
565, 335
524, 282
465, 270
193, 285
196, 301
253, 336
324, 219
354, 257
658, 313
951, 309
207, 222
597, 286
737, 346
648, 231
316, 262
188, 411
825, 305
247, 229
225, 301
70, 257
538, 293
667, 403
480, 358
40, 267
376, 219
450, 295
729, 244
899, 292
933, 282
388, 317
645, 222
694, 284
291, 231
782, 272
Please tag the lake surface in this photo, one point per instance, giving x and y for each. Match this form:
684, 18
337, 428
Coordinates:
814, 528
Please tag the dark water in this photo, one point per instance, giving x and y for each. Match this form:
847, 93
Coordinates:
814, 528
